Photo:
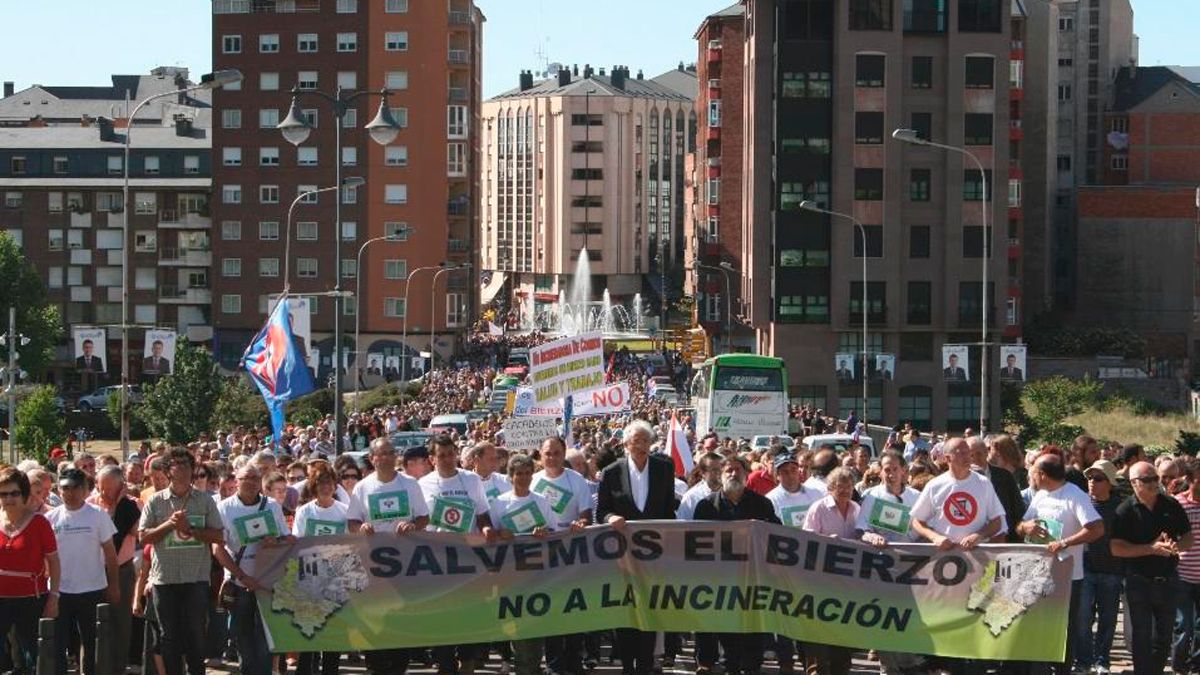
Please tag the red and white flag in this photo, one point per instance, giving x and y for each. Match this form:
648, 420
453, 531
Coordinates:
678, 448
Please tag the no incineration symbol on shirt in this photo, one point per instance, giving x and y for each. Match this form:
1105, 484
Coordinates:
960, 508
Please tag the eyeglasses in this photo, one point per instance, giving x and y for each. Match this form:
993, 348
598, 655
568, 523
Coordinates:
1147, 480
350, 476
10, 494
1098, 479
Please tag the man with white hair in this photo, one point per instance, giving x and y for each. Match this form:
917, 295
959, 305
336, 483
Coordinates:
124, 512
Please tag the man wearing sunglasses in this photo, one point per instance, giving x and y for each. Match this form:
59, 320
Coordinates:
1103, 577
1150, 530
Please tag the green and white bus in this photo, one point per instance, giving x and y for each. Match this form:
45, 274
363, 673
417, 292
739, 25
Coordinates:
741, 395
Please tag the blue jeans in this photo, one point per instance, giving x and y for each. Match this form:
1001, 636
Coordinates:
1185, 652
1100, 595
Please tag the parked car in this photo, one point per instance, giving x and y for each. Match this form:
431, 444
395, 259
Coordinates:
838, 442
98, 400
764, 441
457, 422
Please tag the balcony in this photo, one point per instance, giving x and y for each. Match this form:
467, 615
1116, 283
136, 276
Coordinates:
458, 56
169, 219
184, 257
265, 6
1017, 51
457, 95
714, 133
460, 18
188, 295
1015, 132
456, 246
457, 207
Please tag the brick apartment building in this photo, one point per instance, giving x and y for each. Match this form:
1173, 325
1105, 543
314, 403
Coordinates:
423, 182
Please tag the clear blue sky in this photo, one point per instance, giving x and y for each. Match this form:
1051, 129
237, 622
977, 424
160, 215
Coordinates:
54, 42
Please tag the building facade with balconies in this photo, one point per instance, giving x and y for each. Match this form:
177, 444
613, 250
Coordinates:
420, 188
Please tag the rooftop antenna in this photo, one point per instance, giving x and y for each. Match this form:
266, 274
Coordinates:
539, 52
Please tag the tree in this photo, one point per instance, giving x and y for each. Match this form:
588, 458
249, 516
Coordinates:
39, 425
180, 405
1051, 401
21, 287
240, 404
137, 427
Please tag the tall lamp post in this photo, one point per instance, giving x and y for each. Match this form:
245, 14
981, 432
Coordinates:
912, 137
213, 80
809, 205
433, 305
358, 304
295, 129
725, 269
349, 181
404, 334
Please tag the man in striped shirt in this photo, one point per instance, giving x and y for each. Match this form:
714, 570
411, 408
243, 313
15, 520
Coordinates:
1185, 653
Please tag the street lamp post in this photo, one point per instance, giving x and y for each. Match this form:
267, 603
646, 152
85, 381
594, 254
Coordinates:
404, 333
433, 305
351, 181
212, 80
725, 268
295, 129
809, 205
358, 306
912, 137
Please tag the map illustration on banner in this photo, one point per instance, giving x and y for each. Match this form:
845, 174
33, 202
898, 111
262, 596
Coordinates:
956, 363
158, 353
89, 350
1012, 363
567, 366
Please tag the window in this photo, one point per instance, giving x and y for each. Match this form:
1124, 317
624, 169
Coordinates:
973, 186
919, 181
13, 200
311, 196
268, 156
306, 268
61, 165
395, 194
115, 164
268, 118
268, 81
916, 406
868, 128
1064, 91
143, 242
969, 293
55, 240
919, 303
395, 6
454, 309
977, 129
231, 230
1016, 74
268, 267
231, 44
231, 267
395, 155
268, 231
803, 308
456, 121
1014, 192
587, 120
231, 194
306, 156
145, 278
870, 14
306, 42
396, 230
876, 301
231, 304
307, 80
349, 268
812, 395
1120, 125
75, 201
714, 113
979, 16
231, 156
396, 80
306, 231
868, 184
191, 164
17, 166
980, 72
54, 202
268, 194
1064, 162
799, 257
874, 241
268, 43
347, 42
918, 241
1120, 162
393, 308
1066, 24
973, 241
587, 174
350, 230
347, 79
791, 194
349, 194
54, 277
869, 70
922, 72
401, 117
396, 41
816, 84
349, 156
916, 346
456, 161
145, 203
231, 118
347, 6
395, 269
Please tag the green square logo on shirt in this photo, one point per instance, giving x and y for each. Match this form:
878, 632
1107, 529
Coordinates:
794, 515
321, 528
176, 540
890, 516
388, 505
523, 520
559, 497
254, 527
452, 514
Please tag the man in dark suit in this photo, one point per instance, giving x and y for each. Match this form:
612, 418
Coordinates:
638, 486
1010, 371
843, 370
88, 362
1006, 489
954, 372
156, 363
885, 370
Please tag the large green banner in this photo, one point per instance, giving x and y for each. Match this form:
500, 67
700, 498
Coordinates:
344, 593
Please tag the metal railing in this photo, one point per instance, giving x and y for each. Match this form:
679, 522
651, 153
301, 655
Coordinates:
457, 56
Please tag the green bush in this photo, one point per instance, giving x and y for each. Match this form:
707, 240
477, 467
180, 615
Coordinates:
137, 426
1047, 403
39, 426
1188, 442
386, 395
239, 404
1047, 337
320, 400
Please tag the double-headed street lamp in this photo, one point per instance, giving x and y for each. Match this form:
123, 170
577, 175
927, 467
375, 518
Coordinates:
214, 80
433, 306
809, 205
358, 304
404, 334
295, 129
912, 137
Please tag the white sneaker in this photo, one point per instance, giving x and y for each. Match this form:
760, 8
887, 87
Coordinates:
1100, 670
505, 669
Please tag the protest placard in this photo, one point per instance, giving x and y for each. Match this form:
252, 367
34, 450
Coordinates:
569, 365
527, 433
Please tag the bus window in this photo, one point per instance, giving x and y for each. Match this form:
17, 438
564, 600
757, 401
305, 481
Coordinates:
731, 378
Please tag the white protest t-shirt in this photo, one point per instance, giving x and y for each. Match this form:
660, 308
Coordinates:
81, 535
495, 485
568, 495
339, 492
247, 525
956, 508
695, 494
892, 515
314, 520
791, 507
681, 488
455, 502
521, 515
1064, 512
387, 504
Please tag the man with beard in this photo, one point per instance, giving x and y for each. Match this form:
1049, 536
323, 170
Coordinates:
743, 651
709, 469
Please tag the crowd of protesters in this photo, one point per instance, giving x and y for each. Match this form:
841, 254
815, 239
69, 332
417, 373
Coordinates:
162, 536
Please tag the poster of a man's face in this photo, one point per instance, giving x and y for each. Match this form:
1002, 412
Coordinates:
159, 353
1012, 363
885, 367
844, 366
375, 364
955, 363
392, 364
89, 350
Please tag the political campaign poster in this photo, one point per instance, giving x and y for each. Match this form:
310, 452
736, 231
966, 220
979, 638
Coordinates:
89, 350
569, 365
300, 308
344, 593
375, 364
314, 361
885, 367
158, 353
956, 362
527, 433
844, 365
1012, 363
391, 364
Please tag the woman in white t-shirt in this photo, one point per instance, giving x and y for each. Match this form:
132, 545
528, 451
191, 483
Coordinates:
324, 515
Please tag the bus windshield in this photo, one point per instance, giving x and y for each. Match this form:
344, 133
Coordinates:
736, 378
